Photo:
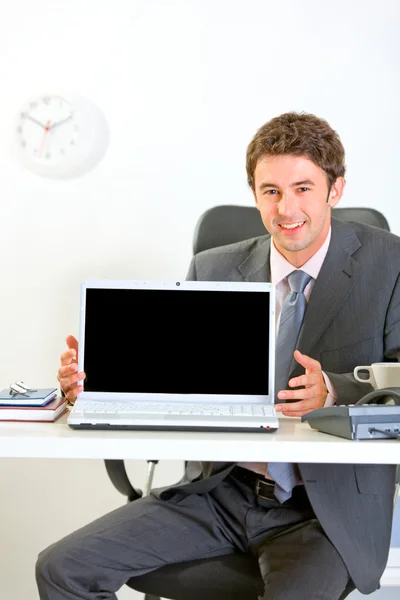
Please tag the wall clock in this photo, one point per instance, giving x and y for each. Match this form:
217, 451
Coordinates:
60, 136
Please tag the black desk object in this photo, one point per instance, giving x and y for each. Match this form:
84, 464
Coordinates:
375, 416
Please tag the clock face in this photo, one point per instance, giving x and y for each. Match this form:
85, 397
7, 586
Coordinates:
48, 129
59, 137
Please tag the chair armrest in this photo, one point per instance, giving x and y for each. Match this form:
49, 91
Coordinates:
119, 478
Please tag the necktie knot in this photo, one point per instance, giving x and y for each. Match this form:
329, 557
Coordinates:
298, 281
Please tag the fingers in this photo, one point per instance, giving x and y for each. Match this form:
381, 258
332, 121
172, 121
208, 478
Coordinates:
302, 394
68, 374
68, 357
312, 393
72, 343
301, 406
298, 409
73, 393
312, 385
312, 378
310, 364
303, 400
71, 354
69, 383
296, 413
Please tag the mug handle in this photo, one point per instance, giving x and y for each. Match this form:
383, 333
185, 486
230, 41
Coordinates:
370, 378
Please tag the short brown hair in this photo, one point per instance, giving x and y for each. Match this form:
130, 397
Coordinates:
299, 134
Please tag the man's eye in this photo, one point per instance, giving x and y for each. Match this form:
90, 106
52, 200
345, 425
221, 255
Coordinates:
303, 189
271, 192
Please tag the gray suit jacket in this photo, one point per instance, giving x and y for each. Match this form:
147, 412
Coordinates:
352, 318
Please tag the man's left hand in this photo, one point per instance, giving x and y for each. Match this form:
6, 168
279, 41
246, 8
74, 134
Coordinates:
312, 396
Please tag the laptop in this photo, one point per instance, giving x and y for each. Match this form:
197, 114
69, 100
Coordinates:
176, 355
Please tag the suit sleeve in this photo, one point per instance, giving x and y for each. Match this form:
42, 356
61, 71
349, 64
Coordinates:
348, 390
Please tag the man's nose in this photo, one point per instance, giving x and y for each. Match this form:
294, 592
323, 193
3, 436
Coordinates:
287, 205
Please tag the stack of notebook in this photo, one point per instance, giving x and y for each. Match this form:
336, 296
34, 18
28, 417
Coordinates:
33, 405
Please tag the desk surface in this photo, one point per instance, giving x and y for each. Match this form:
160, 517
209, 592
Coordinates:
295, 441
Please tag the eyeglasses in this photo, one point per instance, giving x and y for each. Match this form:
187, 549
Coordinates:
19, 388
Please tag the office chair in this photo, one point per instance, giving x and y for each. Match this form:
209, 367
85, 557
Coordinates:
234, 576
230, 223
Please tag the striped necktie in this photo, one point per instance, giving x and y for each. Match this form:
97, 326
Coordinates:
293, 309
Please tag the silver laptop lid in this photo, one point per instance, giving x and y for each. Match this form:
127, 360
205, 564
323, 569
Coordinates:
177, 341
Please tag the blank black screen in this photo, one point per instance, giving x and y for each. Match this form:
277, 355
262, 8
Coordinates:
176, 342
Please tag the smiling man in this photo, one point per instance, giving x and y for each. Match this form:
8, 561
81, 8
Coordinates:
295, 167
328, 529
295, 196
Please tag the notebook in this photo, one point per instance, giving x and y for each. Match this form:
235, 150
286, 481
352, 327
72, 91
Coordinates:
37, 397
49, 412
176, 355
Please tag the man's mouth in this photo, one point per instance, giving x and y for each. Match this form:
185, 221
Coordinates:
292, 226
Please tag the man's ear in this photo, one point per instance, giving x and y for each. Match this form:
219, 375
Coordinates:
336, 192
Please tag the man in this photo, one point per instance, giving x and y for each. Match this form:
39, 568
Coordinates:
332, 530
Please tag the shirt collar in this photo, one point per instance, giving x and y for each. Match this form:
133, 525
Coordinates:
281, 268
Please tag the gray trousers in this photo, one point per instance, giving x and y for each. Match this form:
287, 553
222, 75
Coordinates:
297, 561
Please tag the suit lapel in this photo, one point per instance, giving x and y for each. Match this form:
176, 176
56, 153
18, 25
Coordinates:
338, 275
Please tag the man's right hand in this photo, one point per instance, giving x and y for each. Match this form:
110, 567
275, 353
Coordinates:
68, 374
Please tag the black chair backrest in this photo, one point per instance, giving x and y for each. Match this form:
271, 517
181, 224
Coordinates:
229, 223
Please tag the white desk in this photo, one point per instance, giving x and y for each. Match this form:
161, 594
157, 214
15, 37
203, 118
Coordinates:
295, 441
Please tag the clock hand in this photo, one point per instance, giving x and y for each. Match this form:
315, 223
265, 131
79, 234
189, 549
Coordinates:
46, 131
35, 121
62, 121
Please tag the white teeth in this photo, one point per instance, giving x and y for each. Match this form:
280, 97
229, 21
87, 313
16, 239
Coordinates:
292, 225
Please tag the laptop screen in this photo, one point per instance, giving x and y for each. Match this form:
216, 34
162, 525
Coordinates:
177, 341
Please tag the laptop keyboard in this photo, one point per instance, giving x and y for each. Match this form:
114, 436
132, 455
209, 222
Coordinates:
153, 408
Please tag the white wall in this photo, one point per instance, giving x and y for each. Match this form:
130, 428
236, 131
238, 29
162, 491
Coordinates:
184, 85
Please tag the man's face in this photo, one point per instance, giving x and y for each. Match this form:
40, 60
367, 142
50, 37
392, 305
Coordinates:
291, 193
